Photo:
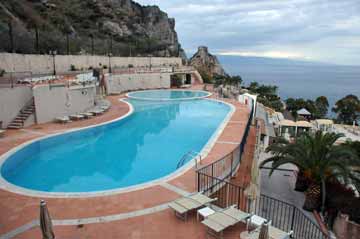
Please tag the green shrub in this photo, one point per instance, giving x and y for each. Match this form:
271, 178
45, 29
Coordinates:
206, 77
73, 68
176, 81
2, 72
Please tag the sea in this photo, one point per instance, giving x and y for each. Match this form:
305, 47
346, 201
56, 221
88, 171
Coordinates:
297, 78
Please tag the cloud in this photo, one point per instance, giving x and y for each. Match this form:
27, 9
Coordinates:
311, 29
272, 54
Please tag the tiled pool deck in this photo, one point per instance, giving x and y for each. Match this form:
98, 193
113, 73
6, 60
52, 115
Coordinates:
136, 214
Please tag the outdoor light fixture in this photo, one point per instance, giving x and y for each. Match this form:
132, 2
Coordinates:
110, 55
53, 54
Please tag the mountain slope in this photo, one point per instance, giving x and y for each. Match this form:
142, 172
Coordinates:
122, 27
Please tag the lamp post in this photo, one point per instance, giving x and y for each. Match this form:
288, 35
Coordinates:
92, 44
53, 54
150, 62
110, 70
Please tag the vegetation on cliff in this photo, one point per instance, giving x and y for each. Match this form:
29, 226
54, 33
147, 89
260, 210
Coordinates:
207, 65
120, 27
347, 109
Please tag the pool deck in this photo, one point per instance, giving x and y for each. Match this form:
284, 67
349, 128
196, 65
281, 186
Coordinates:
136, 214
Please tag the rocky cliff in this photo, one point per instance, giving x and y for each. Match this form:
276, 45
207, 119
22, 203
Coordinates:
121, 27
207, 64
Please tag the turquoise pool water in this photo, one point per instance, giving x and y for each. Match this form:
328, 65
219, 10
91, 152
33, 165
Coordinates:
145, 146
167, 94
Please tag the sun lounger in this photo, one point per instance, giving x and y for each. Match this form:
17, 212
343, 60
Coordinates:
221, 220
274, 233
105, 108
184, 205
2, 133
77, 117
63, 120
97, 111
87, 115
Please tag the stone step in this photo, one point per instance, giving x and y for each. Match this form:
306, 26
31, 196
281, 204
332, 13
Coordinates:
27, 111
15, 124
14, 127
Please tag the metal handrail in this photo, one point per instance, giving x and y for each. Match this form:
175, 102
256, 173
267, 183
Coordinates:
184, 157
210, 167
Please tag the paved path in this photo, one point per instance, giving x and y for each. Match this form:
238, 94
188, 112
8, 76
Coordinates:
281, 185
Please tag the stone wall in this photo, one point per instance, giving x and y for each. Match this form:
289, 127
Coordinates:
126, 82
44, 63
52, 102
12, 100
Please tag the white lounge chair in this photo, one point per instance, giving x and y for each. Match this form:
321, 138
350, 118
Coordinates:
2, 133
63, 119
77, 117
274, 233
97, 111
221, 220
184, 205
87, 115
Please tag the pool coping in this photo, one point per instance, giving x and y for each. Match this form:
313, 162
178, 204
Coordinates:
208, 94
5, 185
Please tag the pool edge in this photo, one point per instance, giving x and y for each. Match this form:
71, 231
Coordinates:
5, 185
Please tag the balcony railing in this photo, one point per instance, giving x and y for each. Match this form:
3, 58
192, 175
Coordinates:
213, 180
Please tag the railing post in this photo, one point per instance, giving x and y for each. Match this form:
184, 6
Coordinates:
239, 198
231, 166
293, 219
212, 170
198, 181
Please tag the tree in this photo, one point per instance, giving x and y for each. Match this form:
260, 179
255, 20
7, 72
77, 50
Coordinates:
355, 146
319, 159
322, 105
235, 80
267, 95
205, 76
347, 109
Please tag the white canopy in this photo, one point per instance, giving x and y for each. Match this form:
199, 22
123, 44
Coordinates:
303, 111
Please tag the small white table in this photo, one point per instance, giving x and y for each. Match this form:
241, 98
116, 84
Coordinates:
256, 220
204, 212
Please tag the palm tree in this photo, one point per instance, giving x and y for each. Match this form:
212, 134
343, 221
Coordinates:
320, 160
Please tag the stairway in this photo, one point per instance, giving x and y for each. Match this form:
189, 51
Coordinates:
196, 80
24, 113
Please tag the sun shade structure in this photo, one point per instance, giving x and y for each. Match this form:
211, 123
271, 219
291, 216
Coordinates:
221, 220
303, 124
303, 111
324, 121
288, 123
184, 205
45, 222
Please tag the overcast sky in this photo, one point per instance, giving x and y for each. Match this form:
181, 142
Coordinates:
320, 30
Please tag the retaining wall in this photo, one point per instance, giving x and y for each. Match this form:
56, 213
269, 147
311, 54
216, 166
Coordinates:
126, 82
52, 102
12, 100
12, 62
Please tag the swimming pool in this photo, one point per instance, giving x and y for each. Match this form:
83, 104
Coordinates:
166, 95
145, 146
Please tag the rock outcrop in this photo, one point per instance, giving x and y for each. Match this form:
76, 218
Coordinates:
206, 63
122, 27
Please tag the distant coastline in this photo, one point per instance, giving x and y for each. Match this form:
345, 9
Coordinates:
297, 78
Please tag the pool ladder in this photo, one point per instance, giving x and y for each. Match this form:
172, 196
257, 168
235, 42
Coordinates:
191, 153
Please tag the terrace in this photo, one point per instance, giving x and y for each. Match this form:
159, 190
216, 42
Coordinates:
143, 213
